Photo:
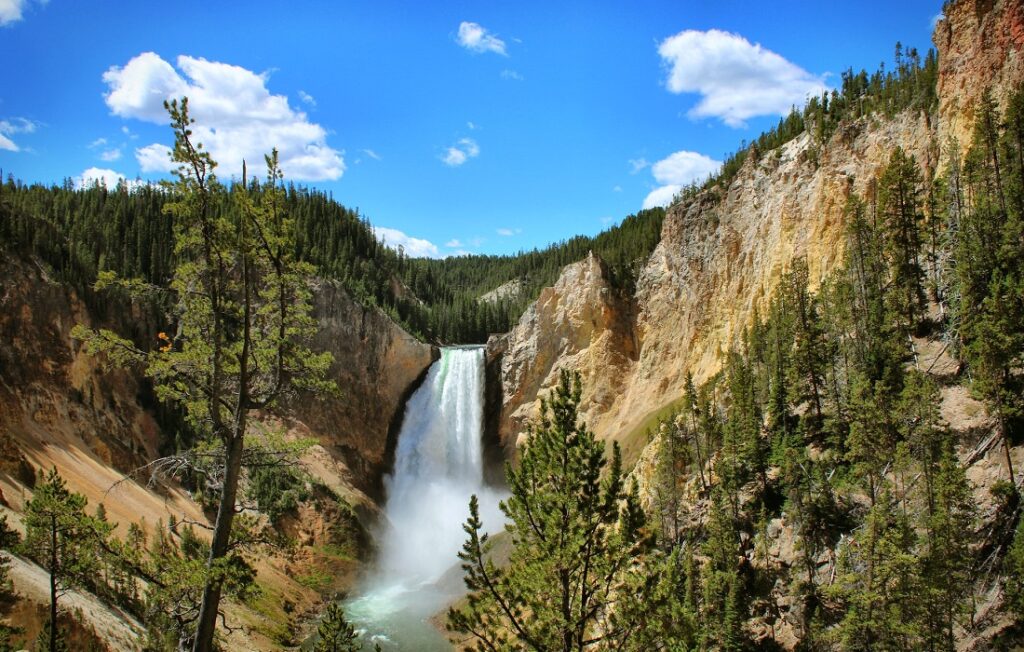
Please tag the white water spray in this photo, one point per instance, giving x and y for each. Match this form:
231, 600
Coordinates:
438, 466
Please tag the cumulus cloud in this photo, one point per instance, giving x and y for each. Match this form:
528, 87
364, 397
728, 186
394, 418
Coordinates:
735, 78
110, 155
414, 247
12, 127
11, 11
154, 158
676, 171
105, 177
511, 74
507, 233
476, 38
461, 152
237, 117
454, 243
307, 98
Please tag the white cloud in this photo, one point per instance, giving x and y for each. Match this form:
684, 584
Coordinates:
110, 154
507, 233
476, 38
661, 196
472, 126
307, 98
11, 11
637, 164
617, 189
454, 157
736, 79
414, 247
154, 158
454, 243
99, 142
461, 152
372, 154
511, 74
105, 177
236, 115
607, 220
11, 127
676, 171
936, 19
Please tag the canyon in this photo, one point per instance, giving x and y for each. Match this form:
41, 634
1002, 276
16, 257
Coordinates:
719, 262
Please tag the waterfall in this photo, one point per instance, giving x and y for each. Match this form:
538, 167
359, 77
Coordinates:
438, 466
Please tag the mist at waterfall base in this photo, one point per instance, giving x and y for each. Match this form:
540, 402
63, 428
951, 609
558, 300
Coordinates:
438, 466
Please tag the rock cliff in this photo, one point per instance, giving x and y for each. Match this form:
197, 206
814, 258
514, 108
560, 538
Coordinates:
59, 407
722, 253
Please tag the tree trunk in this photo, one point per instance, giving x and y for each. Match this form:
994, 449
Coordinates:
53, 582
207, 621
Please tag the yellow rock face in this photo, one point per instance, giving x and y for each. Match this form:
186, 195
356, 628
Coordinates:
722, 254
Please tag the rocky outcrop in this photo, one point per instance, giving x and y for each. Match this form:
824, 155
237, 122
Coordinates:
580, 323
60, 407
720, 257
376, 366
722, 253
53, 393
981, 46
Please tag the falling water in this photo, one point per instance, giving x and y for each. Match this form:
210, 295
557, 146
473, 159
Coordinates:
438, 466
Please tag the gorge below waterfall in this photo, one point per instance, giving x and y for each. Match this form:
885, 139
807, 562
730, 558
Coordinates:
438, 466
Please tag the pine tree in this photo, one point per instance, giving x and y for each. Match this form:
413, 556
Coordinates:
335, 634
724, 604
577, 538
62, 538
810, 356
242, 303
899, 206
878, 583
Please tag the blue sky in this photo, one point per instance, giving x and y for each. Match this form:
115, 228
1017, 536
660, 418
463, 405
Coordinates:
481, 127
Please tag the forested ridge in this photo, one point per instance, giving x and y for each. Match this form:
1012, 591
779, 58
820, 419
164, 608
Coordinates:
80, 232
813, 494
826, 418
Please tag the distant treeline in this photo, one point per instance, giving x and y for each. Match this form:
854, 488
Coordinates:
80, 232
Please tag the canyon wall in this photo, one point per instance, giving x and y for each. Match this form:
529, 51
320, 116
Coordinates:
60, 408
722, 253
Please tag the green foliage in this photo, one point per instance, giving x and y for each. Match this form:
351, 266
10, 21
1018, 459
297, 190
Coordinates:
242, 308
878, 583
1013, 569
277, 489
48, 641
335, 634
123, 241
62, 538
899, 207
578, 541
